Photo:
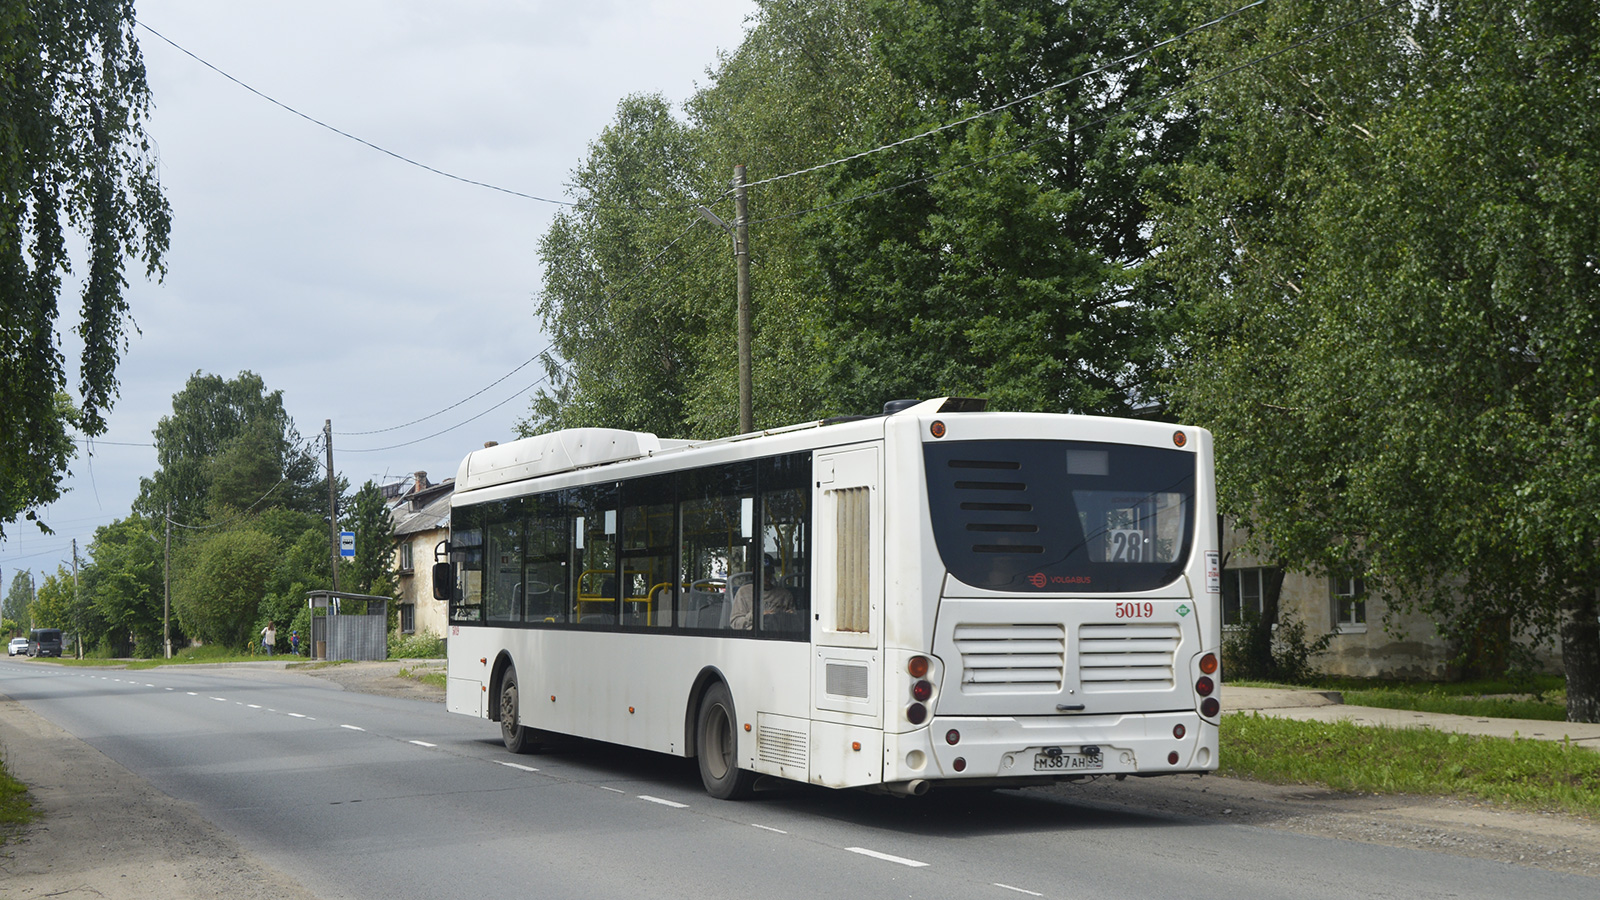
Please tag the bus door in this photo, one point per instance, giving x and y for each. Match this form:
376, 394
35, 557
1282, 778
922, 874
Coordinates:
847, 608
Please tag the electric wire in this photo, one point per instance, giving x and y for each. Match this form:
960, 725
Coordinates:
1011, 103
1163, 98
399, 156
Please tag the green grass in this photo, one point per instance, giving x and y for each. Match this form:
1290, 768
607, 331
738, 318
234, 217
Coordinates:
1542, 698
433, 676
16, 809
1527, 773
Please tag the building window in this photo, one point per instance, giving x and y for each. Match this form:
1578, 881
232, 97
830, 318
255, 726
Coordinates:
1349, 601
408, 618
405, 557
1244, 594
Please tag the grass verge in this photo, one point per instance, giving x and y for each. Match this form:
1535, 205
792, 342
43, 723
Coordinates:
1527, 773
16, 810
433, 676
1543, 698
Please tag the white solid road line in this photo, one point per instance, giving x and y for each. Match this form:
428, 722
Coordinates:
886, 857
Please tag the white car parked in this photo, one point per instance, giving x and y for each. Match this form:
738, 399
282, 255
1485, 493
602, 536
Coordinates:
17, 647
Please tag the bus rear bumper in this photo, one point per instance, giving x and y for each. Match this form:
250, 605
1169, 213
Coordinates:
1031, 749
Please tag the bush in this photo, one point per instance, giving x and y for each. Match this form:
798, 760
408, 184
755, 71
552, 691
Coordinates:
423, 645
1258, 650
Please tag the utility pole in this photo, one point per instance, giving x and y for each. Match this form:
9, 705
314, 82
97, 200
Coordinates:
333, 507
741, 253
166, 586
77, 603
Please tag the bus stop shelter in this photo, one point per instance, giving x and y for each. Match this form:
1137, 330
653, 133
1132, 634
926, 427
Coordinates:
348, 626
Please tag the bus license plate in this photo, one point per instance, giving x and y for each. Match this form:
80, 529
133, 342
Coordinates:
1067, 762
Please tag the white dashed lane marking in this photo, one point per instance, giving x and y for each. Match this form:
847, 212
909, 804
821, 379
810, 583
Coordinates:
768, 828
424, 744
353, 727
1018, 890
672, 803
886, 857
512, 765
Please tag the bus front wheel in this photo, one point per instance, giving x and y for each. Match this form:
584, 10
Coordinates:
518, 738
718, 747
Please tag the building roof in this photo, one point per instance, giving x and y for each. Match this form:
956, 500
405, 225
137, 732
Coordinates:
422, 508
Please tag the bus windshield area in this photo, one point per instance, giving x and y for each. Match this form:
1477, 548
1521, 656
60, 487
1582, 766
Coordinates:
1061, 516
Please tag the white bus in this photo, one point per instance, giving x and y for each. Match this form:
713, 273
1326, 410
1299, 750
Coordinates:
934, 595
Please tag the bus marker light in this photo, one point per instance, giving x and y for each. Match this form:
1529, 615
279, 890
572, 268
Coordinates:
747, 726
936, 429
917, 667
552, 698
959, 764
1172, 758
1208, 664
856, 746
484, 660
952, 737
922, 690
630, 710
1204, 686
1178, 731
1179, 438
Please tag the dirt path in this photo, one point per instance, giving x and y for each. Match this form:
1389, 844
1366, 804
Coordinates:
105, 832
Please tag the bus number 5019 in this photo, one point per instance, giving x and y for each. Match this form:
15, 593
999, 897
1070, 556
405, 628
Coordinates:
1135, 610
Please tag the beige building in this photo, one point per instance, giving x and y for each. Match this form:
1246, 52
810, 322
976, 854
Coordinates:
1361, 646
421, 514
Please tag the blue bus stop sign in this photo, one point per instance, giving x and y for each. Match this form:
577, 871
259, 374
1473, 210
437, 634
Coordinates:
347, 543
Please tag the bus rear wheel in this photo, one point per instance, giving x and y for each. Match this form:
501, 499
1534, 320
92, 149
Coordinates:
518, 738
717, 747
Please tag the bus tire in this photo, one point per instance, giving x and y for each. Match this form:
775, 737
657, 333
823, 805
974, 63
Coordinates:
717, 746
518, 738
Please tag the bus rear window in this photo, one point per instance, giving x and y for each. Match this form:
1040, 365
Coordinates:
1061, 516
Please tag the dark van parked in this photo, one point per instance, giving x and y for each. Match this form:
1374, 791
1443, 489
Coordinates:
44, 642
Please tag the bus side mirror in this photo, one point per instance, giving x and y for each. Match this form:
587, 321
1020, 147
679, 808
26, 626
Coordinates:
443, 580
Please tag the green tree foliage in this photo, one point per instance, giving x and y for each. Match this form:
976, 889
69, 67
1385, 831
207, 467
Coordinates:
219, 593
642, 335
18, 596
73, 154
1004, 257
1391, 239
124, 587
53, 604
229, 445
372, 569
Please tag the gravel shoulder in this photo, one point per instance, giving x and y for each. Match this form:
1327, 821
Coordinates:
105, 832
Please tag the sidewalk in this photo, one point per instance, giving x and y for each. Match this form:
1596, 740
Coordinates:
1328, 706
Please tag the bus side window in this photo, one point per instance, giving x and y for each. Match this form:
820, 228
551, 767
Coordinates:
785, 546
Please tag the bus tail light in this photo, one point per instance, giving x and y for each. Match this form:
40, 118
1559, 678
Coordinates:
922, 691
917, 666
1208, 664
959, 764
1204, 686
1210, 706
916, 714
1178, 731
952, 737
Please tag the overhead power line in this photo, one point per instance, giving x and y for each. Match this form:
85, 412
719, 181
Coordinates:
1011, 103
1165, 97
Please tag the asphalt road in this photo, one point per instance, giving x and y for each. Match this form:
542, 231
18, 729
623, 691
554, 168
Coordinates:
361, 796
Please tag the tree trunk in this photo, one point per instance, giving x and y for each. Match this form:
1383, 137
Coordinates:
1580, 655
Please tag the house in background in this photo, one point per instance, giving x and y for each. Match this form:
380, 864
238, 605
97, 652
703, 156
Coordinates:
1410, 647
421, 515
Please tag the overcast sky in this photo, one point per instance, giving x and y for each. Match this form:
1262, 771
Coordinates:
369, 291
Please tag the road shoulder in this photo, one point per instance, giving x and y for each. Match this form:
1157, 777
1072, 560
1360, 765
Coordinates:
103, 831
